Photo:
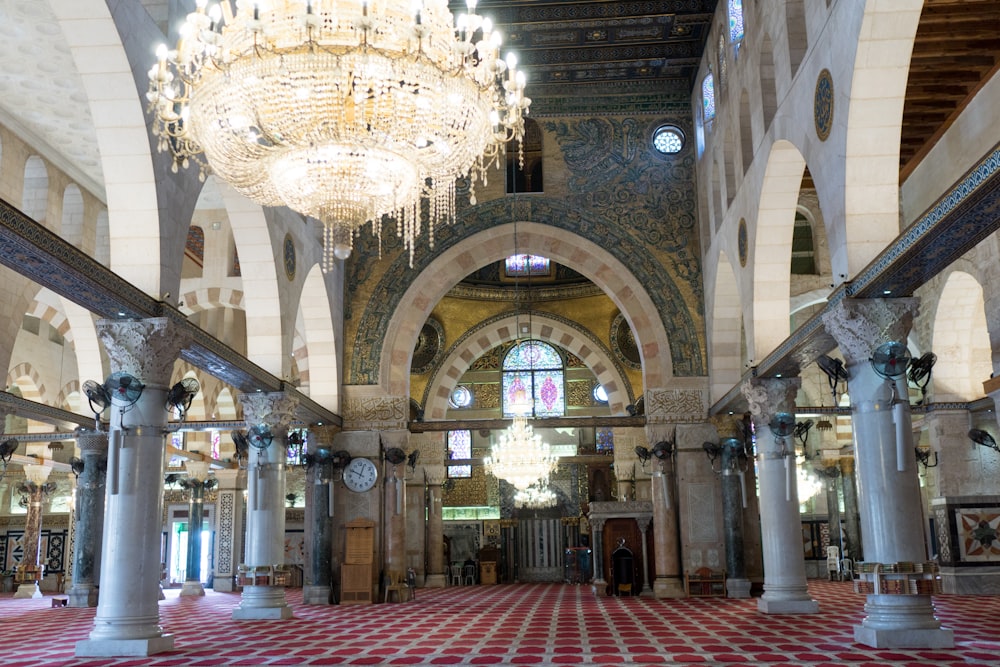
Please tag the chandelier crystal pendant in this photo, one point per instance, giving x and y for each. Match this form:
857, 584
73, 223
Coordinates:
342, 110
520, 456
536, 497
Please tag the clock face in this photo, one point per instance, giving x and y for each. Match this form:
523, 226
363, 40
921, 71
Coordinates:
360, 475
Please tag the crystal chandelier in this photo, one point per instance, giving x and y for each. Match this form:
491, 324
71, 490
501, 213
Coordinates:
535, 497
343, 110
520, 456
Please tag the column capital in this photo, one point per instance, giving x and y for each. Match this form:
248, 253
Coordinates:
435, 475
89, 440
861, 325
275, 409
768, 396
146, 349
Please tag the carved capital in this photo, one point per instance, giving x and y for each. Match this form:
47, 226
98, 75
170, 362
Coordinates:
275, 409
91, 441
435, 475
768, 396
861, 325
146, 349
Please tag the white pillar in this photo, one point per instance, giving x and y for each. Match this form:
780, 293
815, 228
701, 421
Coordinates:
888, 487
127, 619
785, 589
265, 545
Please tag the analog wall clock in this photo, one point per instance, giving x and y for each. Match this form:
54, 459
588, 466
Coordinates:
360, 475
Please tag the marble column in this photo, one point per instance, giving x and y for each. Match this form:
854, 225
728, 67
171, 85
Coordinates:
229, 534
597, 531
666, 533
888, 486
733, 497
318, 585
394, 490
34, 489
265, 537
88, 517
196, 482
436, 576
785, 590
829, 472
853, 546
127, 618
645, 523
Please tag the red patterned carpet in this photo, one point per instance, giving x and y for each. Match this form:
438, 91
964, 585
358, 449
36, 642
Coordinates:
529, 624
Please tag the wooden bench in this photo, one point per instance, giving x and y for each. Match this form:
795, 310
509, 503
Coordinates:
59, 601
705, 582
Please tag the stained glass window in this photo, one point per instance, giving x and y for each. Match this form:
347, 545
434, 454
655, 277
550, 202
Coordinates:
600, 394
605, 441
708, 97
460, 447
668, 140
735, 21
460, 398
526, 265
533, 371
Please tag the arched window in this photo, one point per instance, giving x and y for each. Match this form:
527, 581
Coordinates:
460, 447
533, 372
735, 21
708, 98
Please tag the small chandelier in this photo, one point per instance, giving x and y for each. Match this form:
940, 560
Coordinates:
521, 456
343, 110
535, 497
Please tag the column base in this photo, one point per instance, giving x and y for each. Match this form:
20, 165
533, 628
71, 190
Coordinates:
82, 596
435, 581
107, 648
737, 588
315, 595
262, 614
29, 590
223, 584
787, 606
193, 589
904, 638
668, 587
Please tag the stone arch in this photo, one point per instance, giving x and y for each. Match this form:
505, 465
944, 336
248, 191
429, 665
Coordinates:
544, 327
771, 240
28, 380
768, 84
146, 239
205, 298
651, 303
76, 325
319, 358
798, 35
72, 215
35, 190
725, 330
225, 405
746, 131
874, 121
960, 340
69, 397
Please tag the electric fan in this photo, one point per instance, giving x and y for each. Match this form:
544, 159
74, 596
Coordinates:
180, 396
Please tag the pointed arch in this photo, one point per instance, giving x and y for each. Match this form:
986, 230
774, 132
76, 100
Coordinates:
960, 340
35, 189
72, 215
322, 347
725, 329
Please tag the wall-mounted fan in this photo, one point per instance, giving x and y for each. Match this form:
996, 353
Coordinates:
644, 455
835, 373
7, 449
712, 451
180, 396
663, 450
801, 434
395, 455
411, 460
919, 373
98, 398
76, 465
889, 361
123, 389
242, 447
260, 436
983, 438
782, 425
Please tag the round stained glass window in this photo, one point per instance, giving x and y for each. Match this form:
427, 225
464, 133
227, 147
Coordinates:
461, 398
600, 394
668, 140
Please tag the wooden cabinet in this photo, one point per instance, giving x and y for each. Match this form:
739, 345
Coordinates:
705, 583
487, 573
359, 557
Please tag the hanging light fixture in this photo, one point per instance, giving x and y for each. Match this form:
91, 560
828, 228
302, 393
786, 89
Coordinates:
520, 456
343, 110
536, 496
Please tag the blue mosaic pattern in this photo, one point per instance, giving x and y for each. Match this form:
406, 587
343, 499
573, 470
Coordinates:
634, 203
735, 20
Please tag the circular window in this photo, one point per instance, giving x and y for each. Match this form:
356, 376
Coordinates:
668, 139
600, 394
460, 398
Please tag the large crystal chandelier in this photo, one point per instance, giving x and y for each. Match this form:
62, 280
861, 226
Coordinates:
520, 456
343, 110
536, 496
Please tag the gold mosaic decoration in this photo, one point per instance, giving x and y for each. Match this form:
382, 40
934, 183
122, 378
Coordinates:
580, 393
488, 362
487, 396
